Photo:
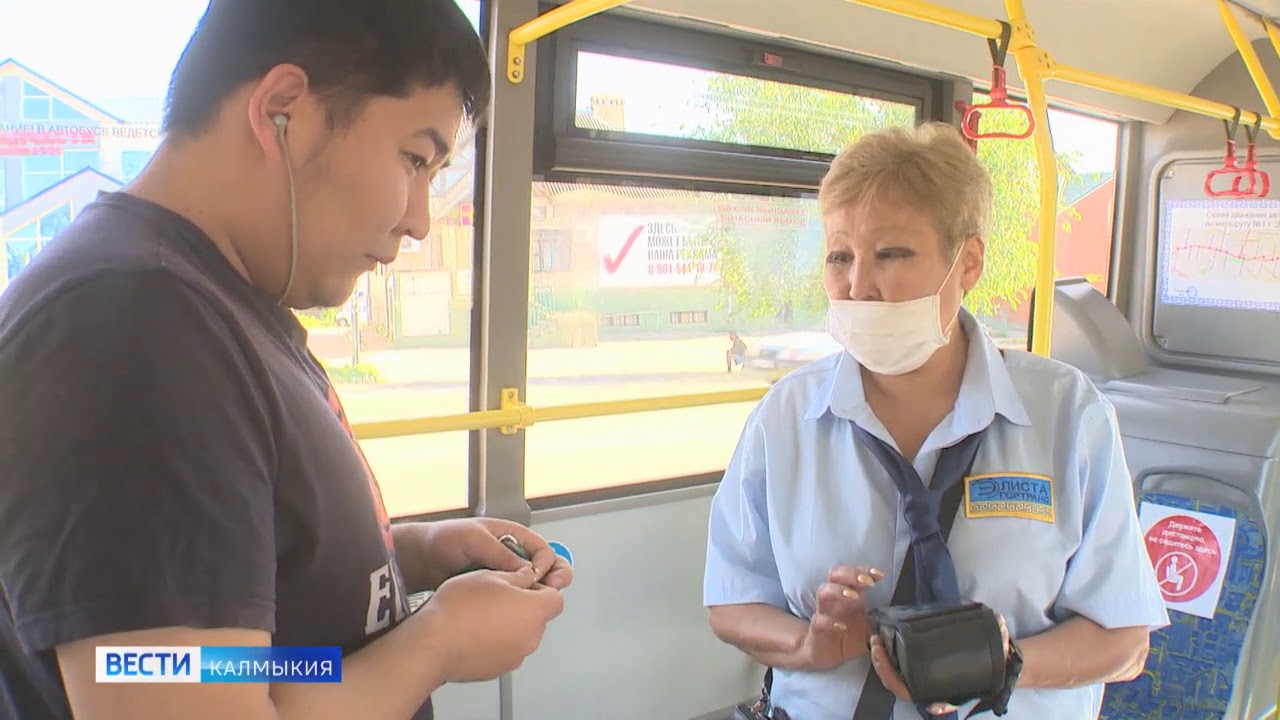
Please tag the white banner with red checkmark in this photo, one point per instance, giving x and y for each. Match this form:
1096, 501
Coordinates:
654, 251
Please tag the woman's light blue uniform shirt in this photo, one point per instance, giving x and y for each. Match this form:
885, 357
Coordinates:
801, 496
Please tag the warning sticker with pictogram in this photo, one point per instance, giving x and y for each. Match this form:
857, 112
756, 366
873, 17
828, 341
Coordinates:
1189, 551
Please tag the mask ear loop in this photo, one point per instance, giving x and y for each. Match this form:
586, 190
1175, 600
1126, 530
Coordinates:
955, 263
281, 122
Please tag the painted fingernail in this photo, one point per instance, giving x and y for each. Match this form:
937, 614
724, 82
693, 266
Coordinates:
851, 594
877, 573
840, 626
865, 579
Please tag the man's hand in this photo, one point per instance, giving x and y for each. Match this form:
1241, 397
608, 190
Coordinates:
431, 552
839, 629
489, 622
893, 681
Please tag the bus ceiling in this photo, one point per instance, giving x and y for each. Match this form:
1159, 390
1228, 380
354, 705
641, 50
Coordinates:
1092, 38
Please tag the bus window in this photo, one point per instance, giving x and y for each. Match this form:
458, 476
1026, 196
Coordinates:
639, 291
401, 346
696, 104
1086, 148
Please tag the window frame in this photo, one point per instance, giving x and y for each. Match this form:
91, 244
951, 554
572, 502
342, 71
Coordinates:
478, 486
566, 153
24, 96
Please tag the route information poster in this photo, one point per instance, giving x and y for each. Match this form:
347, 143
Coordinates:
1221, 254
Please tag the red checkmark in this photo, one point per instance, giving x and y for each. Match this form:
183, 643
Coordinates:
611, 264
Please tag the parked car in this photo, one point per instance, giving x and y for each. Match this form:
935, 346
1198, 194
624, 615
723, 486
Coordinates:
780, 355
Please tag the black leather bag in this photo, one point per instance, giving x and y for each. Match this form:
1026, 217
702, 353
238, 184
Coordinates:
944, 653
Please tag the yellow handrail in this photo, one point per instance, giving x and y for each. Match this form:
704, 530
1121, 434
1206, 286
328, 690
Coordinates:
545, 24
649, 404
1250, 57
480, 420
1048, 69
1272, 33
1160, 96
1035, 65
938, 15
514, 415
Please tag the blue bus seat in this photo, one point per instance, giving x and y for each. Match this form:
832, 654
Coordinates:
1190, 671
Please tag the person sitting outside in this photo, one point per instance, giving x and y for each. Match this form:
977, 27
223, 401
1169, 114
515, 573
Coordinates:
736, 354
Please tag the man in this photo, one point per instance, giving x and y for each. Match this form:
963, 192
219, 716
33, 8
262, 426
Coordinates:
736, 354
175, 468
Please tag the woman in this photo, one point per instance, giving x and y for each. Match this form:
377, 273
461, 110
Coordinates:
807, 529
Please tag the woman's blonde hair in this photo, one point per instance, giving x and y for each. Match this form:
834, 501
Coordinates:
929, 168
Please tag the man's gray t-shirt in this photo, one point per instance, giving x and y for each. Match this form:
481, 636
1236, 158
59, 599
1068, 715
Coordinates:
171, 455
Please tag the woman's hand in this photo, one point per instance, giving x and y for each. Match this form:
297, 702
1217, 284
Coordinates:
839, 629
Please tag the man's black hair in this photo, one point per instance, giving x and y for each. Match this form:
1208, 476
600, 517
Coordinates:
350, 49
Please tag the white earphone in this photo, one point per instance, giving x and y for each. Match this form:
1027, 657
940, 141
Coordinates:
282, 121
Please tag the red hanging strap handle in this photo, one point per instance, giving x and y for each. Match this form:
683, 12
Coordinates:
1246, 181
1229, 167
999, 97
1259, 181
970, 123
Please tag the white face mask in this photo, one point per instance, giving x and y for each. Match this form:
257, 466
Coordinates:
891, 338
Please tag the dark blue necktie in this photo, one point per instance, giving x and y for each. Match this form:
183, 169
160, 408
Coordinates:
935, 571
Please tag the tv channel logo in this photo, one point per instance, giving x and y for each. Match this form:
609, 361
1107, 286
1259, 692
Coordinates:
218, 664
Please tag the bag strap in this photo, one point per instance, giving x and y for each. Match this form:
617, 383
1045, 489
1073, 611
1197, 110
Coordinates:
875, 702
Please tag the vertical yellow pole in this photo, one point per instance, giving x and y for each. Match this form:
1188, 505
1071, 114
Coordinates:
1250, 58
1034, 65
1274, 35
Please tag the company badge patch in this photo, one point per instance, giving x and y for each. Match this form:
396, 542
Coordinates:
1019, 495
